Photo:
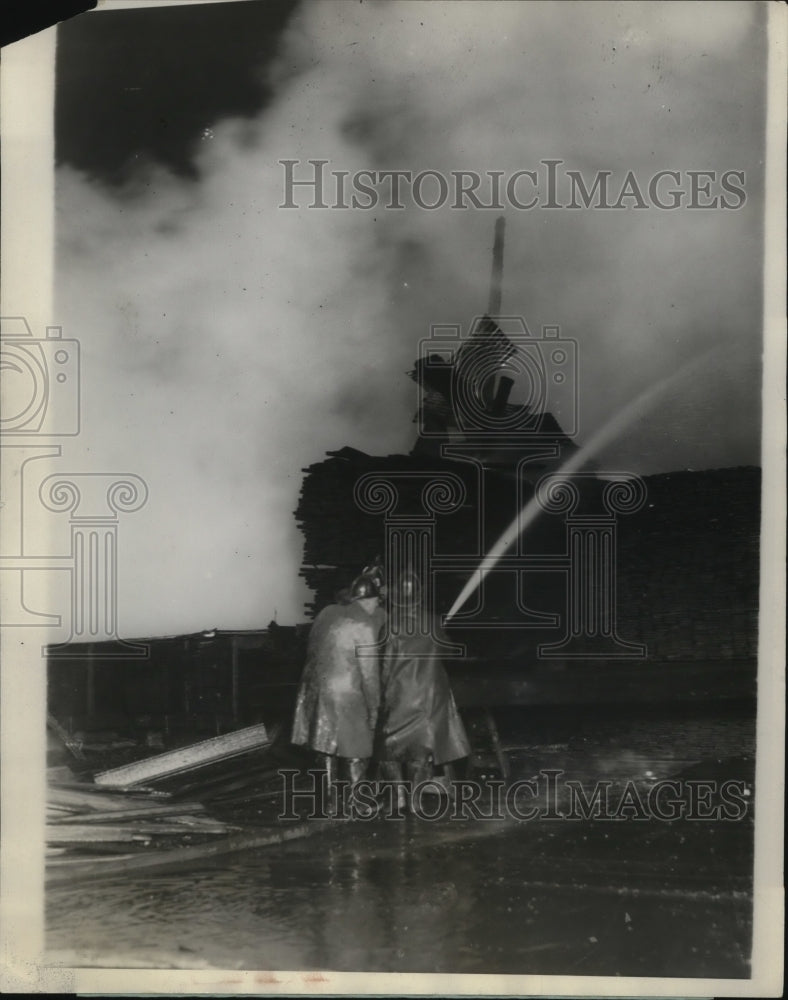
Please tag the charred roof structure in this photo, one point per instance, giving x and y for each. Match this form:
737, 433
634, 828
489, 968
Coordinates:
465, 408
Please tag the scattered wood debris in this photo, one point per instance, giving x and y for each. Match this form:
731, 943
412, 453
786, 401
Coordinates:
155, 808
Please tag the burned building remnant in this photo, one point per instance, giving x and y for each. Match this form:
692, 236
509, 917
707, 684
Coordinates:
466, 386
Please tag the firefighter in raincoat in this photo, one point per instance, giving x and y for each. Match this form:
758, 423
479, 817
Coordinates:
339, 695
419, 724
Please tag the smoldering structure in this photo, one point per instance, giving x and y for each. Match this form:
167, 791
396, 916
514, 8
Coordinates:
681, 581
624, 646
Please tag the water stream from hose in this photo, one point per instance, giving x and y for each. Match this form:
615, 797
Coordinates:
607, 433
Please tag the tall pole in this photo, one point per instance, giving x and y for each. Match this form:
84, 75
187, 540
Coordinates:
496, 279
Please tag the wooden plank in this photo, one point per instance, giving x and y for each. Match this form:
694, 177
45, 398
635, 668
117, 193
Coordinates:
83, 798
176, 857
61, 809
152, 811
68, 859
57, 817
188, 758
73, 746
92, 834
204, 824
79, 798
135, 793
86, 833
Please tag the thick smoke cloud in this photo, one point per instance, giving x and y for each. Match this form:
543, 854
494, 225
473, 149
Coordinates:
227, 342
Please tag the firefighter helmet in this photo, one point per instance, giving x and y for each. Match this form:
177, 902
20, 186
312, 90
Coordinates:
365, 585
375, 571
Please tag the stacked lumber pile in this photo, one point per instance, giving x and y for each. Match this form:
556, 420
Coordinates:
339, 537
688, 563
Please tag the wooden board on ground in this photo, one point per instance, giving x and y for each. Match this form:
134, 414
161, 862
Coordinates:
81, 797
185, 759
86, 833
153, 811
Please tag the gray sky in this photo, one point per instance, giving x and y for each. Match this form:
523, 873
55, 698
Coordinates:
228, 343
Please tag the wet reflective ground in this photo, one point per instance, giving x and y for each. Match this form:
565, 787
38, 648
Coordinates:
585, 897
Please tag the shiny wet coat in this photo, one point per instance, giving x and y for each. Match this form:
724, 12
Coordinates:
418, 714
339, 695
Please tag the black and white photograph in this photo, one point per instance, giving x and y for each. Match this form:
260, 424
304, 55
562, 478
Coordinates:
393, 498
